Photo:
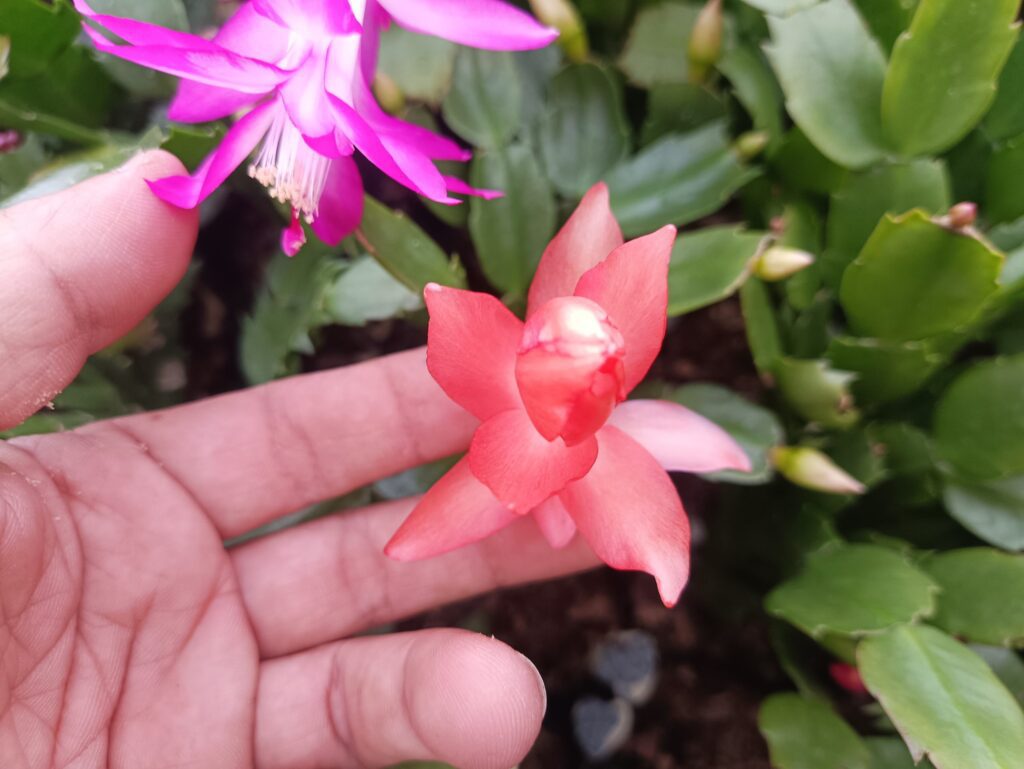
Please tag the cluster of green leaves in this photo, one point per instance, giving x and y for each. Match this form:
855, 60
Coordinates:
848, 129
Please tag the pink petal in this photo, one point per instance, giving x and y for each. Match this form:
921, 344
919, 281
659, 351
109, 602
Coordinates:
305, 97
555, 523
198, 103
312, 18
293, 238
632, 286
459, 187
341, 207
585, 241
471, 349
143, 33
519, 466
569, 369
478, 23
678, 438
629, 512
240, 141
457, 511
211, 66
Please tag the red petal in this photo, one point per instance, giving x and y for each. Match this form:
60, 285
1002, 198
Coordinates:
679, 438
471, 349
632, 286
522, 468
457, 511
586, 240
629, 512
555, 523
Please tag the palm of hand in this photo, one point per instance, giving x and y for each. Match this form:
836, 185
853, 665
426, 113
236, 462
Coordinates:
130, 637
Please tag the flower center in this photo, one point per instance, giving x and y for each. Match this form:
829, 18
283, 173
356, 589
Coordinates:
292, 171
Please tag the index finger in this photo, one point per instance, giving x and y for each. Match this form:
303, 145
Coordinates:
248, 458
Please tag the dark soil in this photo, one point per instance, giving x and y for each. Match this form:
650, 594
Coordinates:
715, 666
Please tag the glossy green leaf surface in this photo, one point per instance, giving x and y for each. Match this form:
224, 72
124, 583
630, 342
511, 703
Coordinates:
915, 279
942, 75
886, 371
421, 66
992, 510
817, 391
853, 590
709, 265
807, 734
485, 103
655, 52
943, 698
836, 101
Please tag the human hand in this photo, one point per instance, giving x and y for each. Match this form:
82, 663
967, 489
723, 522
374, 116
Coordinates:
129, 636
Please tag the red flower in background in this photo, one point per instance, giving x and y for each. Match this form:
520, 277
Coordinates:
556, 440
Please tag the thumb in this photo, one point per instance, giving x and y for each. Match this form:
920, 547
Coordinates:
78, 270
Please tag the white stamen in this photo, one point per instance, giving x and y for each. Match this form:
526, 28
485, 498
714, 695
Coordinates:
290, 169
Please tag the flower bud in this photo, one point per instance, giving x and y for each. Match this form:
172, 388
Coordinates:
563, 16
388, 93
814, 470
962, 215
569, 369
751, 144
848, 677
706, 41
779, 262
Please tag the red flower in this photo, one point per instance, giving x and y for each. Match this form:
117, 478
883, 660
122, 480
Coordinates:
556, 440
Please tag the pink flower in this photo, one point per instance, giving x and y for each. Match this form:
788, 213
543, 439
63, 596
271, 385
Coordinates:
303, 68
557, 441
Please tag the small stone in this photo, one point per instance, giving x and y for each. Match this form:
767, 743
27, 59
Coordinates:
628, 662
601, 726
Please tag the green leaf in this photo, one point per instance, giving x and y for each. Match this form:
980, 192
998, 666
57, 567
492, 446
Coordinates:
853, 590
802, 166
941, 81
421, 65
655, 52
888, 19
817, 392
807, 734
511, 233
781, 7
367, 292
1007, 665
679, 108
284, 314
39, 33
915, 279
864, 198
484, 105
709, 265
762, 328
1004, 188
755, 428
886, 371
892, 753
755, 86
979, 423
406, 251
943, 698
993, 510
676, 180
18, 166
982, 598
835, 101
583, 131
1006, 118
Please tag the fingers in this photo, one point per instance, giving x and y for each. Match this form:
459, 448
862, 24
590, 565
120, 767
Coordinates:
442, 695
78, 270
250, 457
330, 579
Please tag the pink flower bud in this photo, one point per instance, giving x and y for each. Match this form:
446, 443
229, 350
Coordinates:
848, 677
569, 368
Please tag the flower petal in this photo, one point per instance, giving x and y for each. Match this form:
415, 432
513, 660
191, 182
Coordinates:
198, 103
585, 241
240, 141
522, 468
630, 513
143, 33
487, 24
459, 187
312, 18
293, 237
458, 510
305, 97
632, 286
678, 438
555, 523
211, 66
471, 349
341, 207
